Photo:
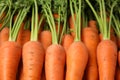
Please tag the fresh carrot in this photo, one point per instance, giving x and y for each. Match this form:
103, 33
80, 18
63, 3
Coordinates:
107, 64
4, 35
55, 62
55, 53
33, 52
67, 41
11, 50
90, 37
106, 50
33, 58
9, 60
77, 53
45, 38
77, 57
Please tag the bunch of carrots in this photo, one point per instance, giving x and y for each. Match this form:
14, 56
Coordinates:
59, 40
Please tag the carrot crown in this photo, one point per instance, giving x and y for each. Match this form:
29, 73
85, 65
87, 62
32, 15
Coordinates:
51, 20
14, 28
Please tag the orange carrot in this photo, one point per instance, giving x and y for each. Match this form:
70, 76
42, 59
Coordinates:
33, 58
67, 41
77, 57
55, 62
106, 57
90, 37
4, 35
9, 59
45, 37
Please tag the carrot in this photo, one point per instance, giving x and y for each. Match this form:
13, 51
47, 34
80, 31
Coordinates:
55, 53
67, 41
33, 58
107, 49
55, 62
4, 35
77, 53
33, 52
106, 57
45, 38
9, 60
77, 57
90, 37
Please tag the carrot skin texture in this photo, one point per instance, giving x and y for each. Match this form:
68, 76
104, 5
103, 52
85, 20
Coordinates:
33, 59
67, 41
55, 62
4, 35
45, 37
91, 37
9, 60
77, 58
106, 58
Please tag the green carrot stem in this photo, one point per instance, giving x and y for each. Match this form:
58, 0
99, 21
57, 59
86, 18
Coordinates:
32, 25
